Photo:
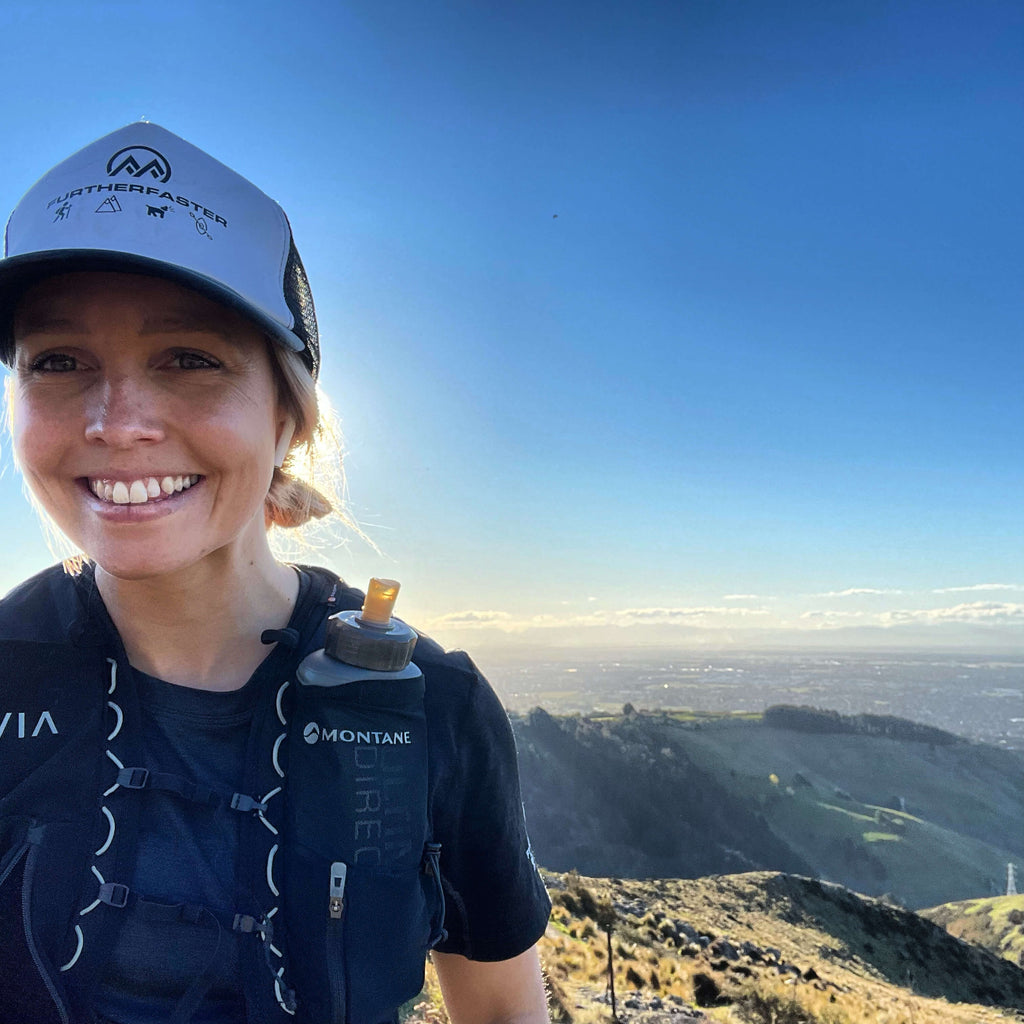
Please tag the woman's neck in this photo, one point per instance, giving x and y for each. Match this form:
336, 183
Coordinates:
201, 627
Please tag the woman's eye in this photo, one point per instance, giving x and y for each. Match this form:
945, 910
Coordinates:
54, 362
195, 361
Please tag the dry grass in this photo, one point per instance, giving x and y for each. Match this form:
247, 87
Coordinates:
832, 987
829, 990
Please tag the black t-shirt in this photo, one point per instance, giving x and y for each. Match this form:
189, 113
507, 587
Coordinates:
188, 851
187, 855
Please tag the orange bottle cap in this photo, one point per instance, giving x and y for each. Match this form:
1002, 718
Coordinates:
379, 602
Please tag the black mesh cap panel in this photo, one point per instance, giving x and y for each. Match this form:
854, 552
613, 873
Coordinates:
299, 297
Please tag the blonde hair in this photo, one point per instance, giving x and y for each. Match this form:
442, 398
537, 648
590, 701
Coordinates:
307, 493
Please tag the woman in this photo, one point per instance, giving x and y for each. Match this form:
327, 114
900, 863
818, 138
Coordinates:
163, 350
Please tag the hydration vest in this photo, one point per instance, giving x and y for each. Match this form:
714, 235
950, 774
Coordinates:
323, 939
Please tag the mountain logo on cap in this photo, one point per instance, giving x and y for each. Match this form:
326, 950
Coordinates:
139, 161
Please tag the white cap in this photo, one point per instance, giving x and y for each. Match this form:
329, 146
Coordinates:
142, 199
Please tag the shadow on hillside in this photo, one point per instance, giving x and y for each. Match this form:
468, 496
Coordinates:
904, 948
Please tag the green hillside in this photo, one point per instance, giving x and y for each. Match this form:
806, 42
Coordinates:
996, 923
878, 805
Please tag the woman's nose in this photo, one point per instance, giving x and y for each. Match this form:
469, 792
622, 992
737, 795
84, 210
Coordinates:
123, 412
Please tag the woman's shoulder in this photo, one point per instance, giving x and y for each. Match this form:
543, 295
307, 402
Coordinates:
44, 607
461, 704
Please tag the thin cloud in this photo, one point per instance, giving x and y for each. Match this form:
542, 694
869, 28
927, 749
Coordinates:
626, 617
832, 620
741, 597
983, 613
856, 592
979, 586
685, 616
990, 613
471, 620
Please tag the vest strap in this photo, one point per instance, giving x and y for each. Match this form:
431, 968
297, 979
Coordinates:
187, 789
119, 896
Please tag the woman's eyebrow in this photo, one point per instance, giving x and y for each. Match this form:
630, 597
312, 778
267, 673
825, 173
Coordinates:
186, 323
42, 322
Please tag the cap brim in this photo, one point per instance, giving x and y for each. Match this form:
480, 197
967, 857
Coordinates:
20, 272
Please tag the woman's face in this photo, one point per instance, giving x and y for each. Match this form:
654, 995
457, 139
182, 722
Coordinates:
145, 421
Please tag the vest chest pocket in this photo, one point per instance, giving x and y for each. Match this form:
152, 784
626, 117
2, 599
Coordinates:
358, 936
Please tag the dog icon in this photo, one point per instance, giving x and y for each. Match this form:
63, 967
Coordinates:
156, 211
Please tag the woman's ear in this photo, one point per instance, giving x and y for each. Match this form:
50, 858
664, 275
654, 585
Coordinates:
284, 441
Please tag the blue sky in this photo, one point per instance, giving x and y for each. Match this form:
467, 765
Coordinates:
649, 322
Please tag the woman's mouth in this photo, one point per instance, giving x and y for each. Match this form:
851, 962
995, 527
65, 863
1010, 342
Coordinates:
142, 490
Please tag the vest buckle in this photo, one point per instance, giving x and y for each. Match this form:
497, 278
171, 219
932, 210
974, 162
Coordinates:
114, 894
133, 778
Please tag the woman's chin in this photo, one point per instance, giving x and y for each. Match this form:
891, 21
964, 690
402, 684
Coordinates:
122, 567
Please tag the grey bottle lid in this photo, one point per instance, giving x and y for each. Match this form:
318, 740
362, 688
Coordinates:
366, 645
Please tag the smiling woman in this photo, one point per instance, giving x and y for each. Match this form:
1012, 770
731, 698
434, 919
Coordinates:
145, 421
162, 402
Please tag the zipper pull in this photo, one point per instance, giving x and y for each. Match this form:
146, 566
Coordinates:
337, 900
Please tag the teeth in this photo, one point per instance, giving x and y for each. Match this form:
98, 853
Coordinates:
138, 492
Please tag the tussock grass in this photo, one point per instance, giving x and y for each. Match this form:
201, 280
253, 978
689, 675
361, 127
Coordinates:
653, 962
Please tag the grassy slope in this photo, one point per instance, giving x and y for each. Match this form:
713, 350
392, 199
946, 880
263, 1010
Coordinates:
952, 795
777, 949
800, 951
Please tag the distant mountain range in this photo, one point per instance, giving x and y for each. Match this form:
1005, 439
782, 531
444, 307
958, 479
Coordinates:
877, 804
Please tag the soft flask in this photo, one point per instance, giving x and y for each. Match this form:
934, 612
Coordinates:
358, 807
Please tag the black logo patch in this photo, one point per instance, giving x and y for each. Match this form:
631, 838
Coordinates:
109, 205
139, 161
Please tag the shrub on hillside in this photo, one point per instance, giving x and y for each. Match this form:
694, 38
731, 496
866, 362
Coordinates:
819, 720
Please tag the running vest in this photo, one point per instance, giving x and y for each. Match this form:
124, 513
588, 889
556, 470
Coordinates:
340, 893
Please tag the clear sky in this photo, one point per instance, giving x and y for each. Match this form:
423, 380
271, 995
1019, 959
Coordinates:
650, 321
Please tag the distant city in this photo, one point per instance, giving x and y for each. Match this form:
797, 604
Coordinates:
979, 697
